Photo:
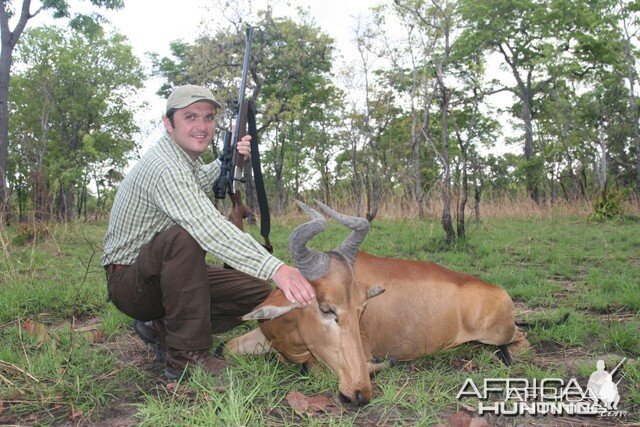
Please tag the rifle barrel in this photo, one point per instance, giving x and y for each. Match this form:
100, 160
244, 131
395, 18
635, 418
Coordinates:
617, 367
237, 172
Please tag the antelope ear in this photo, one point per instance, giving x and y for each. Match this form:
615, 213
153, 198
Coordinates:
374, 291
267, 312
274, 306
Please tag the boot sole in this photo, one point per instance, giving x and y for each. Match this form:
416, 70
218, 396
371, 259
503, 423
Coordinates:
144, 336
143, 333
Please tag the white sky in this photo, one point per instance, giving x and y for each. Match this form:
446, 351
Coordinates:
151, 25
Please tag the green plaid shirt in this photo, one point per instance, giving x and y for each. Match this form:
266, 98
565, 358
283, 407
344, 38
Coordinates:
166, 188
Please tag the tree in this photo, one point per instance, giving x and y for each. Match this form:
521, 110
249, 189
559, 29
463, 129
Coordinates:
72, 117
472, 129
414, 86
10, 38
439, 18
630, 26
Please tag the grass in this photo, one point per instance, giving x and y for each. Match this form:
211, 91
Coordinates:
68, 356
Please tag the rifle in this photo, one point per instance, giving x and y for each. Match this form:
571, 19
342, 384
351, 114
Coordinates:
612, 373
232, 162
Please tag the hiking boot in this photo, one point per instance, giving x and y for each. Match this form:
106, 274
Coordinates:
178, 360
153, 333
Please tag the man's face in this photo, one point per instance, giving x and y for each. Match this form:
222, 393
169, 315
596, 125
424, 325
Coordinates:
194, 127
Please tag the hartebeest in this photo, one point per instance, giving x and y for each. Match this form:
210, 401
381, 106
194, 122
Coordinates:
424, 308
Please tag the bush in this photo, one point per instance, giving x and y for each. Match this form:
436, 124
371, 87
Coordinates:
609, 205
29, 233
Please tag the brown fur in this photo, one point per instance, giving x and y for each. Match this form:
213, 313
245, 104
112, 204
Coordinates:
424, 308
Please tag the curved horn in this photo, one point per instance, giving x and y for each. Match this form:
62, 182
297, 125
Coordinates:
360, 227
312, 264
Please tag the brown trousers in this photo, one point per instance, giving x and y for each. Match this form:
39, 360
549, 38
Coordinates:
170, 279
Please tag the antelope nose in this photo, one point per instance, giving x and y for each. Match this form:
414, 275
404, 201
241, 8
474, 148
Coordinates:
360, 398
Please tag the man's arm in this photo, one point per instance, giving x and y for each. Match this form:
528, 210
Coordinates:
180, 197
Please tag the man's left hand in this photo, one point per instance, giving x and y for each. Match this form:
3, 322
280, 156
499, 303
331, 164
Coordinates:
244, 146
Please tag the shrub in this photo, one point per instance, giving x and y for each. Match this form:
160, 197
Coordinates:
608, 205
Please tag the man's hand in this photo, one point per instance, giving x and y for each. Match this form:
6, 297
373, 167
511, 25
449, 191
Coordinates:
295, 287
244, 146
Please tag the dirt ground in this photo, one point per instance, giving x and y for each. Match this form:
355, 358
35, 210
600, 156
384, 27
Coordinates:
131, 351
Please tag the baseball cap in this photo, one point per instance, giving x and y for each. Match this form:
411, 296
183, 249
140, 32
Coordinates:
183, 96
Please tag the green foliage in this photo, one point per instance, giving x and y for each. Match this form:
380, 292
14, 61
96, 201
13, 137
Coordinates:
73, 119
368, 129
608, 205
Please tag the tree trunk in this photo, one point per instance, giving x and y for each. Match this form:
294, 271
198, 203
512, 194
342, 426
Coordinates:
65, 202
373, 180
527, 119
357, 197
40, 196
373, 187
447, 222
602, 169
9, 40
325, 181
464, 193
633, 99
278, 164
416, 138
525, 93
477, 187
5, 70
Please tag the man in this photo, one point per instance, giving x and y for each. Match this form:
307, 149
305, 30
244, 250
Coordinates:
162, 224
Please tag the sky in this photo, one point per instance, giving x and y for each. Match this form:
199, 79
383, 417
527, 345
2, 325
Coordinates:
152, 28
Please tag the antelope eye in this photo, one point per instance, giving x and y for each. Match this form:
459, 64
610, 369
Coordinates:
326, 310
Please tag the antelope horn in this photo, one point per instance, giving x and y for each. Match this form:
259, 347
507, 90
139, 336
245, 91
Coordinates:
312, 264
360, 227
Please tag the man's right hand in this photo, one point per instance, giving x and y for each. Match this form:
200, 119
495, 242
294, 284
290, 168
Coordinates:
295, 287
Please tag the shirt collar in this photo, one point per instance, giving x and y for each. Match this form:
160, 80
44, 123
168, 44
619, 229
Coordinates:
168, 144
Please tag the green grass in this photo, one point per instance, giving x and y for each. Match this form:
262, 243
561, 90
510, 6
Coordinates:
58, 374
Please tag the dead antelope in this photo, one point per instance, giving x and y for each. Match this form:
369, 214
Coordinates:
424, 308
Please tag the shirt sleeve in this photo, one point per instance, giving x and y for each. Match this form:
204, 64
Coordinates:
180, 197
206, 175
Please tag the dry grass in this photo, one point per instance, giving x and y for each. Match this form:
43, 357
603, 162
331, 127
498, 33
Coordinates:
503, 207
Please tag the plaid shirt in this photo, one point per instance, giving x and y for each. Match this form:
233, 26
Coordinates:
166, 188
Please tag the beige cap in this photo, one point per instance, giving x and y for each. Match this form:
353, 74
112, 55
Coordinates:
183, 96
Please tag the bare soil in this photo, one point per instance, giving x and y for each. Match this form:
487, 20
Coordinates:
131, 351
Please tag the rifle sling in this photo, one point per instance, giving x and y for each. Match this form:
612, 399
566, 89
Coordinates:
265, 217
